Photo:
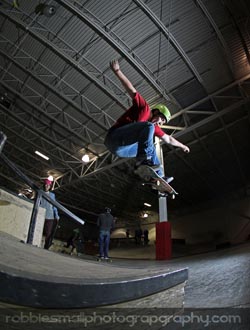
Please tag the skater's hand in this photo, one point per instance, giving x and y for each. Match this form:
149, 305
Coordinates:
186, 149
114, 65
130, 89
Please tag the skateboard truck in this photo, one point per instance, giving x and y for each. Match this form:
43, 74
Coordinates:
164, 194
151, 177
160, 193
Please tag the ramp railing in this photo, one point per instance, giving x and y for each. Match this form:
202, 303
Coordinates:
39, 193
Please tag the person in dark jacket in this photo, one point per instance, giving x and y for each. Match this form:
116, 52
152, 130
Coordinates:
105, 222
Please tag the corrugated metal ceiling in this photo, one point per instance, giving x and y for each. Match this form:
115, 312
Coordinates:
63, 97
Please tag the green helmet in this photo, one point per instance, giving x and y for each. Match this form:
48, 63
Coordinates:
164, 110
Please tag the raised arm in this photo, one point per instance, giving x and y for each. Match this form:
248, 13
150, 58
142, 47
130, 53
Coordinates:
115, 66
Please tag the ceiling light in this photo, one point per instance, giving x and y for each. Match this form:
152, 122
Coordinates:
146, 204
50, 178
145, 215
85, 158
41, 155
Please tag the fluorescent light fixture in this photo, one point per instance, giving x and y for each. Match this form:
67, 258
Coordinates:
146, 204
85, 158
41, 155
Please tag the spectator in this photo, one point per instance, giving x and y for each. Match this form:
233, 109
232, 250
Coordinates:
145, 237
138, 236
105, 222
51, 215
76, 241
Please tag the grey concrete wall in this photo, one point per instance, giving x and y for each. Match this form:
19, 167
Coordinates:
121, 232
15, 215
228, 223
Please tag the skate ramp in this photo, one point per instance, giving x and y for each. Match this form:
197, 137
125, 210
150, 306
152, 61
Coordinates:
31, 276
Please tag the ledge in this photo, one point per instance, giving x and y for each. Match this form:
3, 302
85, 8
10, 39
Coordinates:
34, 277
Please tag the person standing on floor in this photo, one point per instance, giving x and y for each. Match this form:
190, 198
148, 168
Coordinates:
145, 237
51, 215
105, 222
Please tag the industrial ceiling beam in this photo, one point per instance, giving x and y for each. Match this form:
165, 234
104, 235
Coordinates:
59, 94
219, 35
52, 118
111, 40
68, 59
215, 94
151, 15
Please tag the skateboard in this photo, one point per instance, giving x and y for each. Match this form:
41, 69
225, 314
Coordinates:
103, 259
149, 175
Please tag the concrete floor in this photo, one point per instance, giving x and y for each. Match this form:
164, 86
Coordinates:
216, 279
219, 279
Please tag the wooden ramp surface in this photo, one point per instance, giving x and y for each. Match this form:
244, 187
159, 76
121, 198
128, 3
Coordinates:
35, 277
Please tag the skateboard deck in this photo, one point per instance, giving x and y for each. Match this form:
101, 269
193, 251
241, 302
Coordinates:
150, 177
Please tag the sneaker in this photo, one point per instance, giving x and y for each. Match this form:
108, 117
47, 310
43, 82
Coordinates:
106, 258
147, 162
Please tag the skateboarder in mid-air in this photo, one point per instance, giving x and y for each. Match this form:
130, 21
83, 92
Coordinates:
133, 133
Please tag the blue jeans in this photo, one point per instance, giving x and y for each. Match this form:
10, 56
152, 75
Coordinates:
104, 239
135, 140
